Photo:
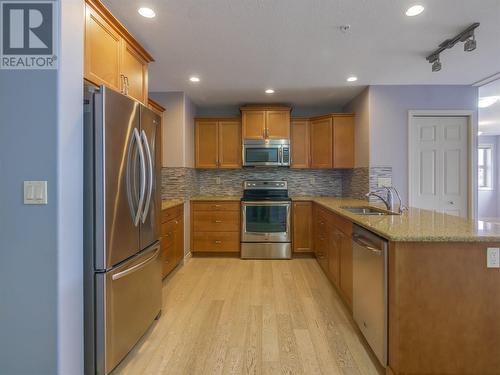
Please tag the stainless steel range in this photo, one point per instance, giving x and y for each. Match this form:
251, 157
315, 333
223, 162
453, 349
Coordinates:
265, 220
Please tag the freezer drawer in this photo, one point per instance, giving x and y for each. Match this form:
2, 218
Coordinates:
128, 298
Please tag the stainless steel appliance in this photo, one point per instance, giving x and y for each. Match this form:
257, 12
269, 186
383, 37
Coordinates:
370, 289
121, 248
265, 220
266, 153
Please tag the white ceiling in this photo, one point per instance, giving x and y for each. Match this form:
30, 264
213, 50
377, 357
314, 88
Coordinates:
241, 47
489, 118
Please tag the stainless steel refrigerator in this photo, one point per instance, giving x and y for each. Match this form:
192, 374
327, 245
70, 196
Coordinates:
121, 247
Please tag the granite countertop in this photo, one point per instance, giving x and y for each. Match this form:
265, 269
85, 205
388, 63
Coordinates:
169, 203
415, 224
216, 198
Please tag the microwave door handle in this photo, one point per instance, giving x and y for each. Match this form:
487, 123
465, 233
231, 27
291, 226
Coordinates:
280, 156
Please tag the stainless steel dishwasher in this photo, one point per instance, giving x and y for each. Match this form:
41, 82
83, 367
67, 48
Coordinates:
370, 289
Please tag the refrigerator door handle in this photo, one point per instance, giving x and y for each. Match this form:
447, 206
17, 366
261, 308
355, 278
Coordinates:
143, 178
150, 177
136, 267
130, 199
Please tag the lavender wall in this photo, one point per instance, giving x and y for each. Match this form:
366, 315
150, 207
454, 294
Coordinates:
389, 106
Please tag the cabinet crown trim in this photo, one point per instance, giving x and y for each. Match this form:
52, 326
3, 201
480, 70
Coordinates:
105, 13
329, 115
264, 107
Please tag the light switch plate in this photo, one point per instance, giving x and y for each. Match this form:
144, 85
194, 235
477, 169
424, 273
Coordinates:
384, 181
35, 192
493, 257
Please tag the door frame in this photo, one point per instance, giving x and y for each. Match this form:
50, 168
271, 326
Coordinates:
471, 146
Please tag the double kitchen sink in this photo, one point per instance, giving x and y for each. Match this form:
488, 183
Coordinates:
366, 210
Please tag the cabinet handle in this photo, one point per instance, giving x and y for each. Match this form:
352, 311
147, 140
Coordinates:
122, 83
126, 85
176, 222
218, 221
216, 206
218, 242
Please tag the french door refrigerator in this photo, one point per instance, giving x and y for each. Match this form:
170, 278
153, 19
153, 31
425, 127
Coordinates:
121, 240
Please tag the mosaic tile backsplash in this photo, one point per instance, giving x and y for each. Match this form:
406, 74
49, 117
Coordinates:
188, 182
319, 182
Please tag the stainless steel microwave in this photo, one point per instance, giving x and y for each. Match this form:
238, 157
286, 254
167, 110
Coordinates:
266, 153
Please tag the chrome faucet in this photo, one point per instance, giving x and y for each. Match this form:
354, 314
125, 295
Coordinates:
389, 200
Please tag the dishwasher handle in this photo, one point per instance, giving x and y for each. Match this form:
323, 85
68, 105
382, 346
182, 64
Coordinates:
366, 244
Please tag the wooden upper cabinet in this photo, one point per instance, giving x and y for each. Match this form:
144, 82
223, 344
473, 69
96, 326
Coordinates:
300, 143
229, 144
278, 124
343, 142
265, 122
254, 124
321, 143
206, 144
102, 51
217, 143
112, 56
135, 73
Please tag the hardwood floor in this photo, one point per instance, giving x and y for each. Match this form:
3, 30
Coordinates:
232, 316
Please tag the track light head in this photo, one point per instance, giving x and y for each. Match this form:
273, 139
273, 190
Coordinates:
470, 44
436, 65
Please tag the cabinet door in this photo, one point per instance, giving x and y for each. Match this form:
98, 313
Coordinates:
302, 227
343, 142
346, 267
321, 143
334, 256
278, 124
229, 144
135, 72
206, 150
179, 240
300, 143
254, 124
102, 51
167, 247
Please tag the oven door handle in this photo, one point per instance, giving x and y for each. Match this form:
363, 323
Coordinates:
266, 203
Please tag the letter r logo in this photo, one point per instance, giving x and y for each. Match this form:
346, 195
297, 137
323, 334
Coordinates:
27, 28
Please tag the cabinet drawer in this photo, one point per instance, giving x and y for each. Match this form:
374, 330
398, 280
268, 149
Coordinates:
223, 221
167, 236
216, 206
216, 241
172, 213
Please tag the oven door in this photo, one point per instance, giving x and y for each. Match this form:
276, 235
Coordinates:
265, 222
262, 155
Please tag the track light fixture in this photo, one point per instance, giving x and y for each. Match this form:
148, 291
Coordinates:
436, 65
467, 36
470, 44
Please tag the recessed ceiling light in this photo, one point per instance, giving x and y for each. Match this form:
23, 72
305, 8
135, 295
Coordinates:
487, 101
269, 91
194, 79
147, 12
352, 79
414, 10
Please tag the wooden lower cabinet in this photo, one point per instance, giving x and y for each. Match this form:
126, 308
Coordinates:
215, 226
302, 227
333, 249
172, 238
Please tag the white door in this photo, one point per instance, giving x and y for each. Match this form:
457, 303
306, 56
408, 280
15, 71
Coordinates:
438, 164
